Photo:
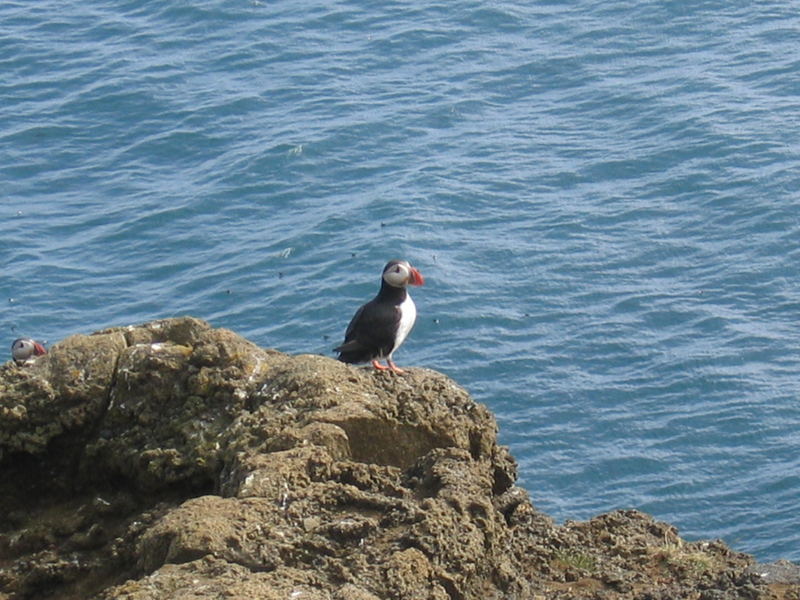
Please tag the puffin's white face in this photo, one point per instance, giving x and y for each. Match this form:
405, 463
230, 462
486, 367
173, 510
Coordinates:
22, 349
400, 274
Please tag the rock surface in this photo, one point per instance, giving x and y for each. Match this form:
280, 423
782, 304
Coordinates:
172, 460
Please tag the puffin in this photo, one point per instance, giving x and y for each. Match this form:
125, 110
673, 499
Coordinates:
23, 349
382, 324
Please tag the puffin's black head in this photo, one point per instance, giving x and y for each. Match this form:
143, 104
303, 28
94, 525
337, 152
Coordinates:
23, 348
399, 273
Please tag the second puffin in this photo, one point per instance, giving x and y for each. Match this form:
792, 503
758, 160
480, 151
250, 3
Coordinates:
382, 324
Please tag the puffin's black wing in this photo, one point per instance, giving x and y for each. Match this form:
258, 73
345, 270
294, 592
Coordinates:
371, 333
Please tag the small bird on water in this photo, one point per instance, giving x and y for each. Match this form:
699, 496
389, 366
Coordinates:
382, 324
23, 349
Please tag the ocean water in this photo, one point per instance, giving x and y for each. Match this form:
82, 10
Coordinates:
603, 198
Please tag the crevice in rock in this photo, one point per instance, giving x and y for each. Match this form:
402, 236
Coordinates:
93, 428
450, 588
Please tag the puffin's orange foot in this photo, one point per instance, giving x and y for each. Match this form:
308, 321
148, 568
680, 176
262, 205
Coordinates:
394, 367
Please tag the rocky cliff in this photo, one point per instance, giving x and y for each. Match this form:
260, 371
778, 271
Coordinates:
172, 460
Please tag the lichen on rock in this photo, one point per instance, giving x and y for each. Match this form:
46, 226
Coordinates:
174, 460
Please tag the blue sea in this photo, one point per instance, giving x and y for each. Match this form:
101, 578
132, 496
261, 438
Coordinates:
603, 197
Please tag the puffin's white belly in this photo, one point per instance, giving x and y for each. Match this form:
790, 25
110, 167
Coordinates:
408, 314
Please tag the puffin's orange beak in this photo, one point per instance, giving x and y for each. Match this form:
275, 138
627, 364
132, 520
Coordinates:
38, 349
416, 277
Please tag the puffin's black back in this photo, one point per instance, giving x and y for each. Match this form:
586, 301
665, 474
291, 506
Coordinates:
372, 331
